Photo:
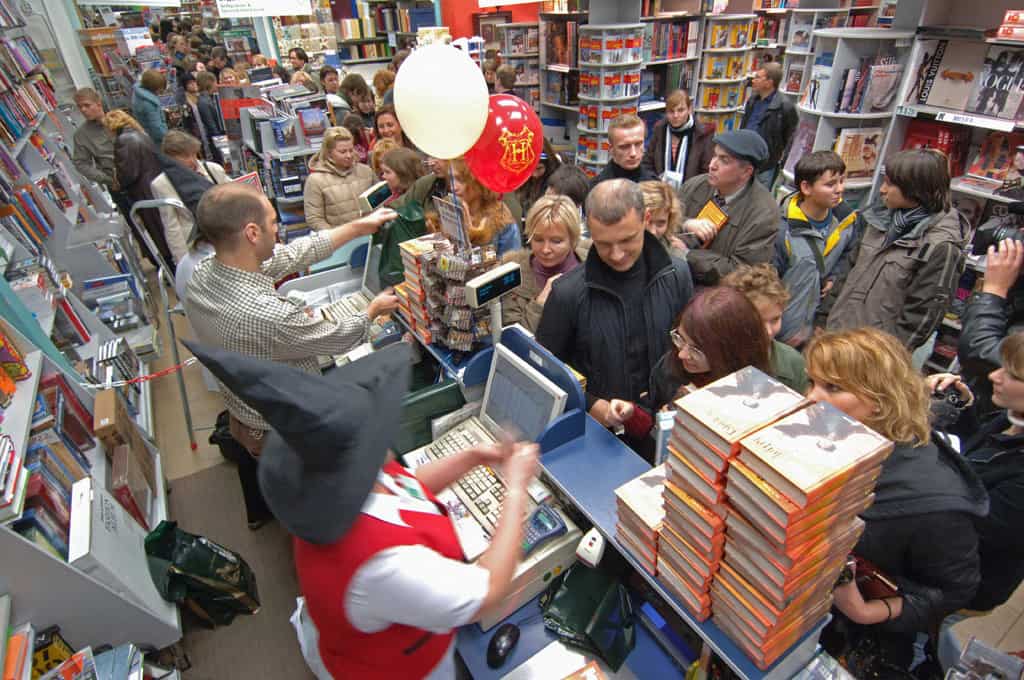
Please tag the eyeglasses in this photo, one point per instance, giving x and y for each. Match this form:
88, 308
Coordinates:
680, 343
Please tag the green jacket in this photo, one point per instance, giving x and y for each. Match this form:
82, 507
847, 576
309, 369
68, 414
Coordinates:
788, 367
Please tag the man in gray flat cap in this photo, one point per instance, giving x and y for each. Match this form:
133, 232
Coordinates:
732, 218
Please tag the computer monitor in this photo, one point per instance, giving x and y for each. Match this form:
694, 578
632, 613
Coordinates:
518, 398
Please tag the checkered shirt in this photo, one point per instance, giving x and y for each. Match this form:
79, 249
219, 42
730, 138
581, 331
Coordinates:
243, 312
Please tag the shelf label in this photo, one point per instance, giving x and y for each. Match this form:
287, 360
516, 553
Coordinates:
975, 121
392, 39
904, 110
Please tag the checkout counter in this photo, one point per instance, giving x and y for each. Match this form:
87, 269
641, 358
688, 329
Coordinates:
585, 463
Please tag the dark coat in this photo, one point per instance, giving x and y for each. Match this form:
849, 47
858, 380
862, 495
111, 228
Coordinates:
747, 238
904, 287
998, 461
138, 163
777, 126
698, 155
584, 320
920, 532
986, 320
614, 171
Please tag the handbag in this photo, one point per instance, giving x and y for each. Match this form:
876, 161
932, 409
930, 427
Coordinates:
591, 609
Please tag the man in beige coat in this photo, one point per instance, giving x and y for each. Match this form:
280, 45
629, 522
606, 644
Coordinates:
331, 195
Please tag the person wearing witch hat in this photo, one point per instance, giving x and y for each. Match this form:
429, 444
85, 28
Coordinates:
376, 554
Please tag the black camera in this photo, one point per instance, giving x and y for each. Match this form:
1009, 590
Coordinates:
991, 235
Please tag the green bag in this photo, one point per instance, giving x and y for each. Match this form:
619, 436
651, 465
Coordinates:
590, 608
212, 581
409, 224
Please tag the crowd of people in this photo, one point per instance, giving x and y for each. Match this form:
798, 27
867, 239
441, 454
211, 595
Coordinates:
673, 267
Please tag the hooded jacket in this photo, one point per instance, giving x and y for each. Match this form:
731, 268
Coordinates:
920, 532
331, 195
149, 112
797, 262
698, 153
905, 287
584, 320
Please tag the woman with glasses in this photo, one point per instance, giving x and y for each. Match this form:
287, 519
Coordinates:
717, 333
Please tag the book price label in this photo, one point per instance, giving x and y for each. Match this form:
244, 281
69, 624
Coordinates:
904, 110
975, 121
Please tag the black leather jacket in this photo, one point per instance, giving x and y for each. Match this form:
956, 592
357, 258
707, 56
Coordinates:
986, 321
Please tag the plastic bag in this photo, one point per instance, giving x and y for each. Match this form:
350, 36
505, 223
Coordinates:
213, 582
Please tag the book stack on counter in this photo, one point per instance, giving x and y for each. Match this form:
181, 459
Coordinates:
710, 423
412, 293
794, 491
640, 514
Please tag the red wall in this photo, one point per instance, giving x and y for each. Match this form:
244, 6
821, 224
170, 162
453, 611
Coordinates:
457, 15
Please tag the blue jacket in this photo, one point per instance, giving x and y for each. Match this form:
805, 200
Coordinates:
508, 239
147, 110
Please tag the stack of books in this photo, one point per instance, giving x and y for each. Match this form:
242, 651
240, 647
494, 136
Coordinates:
794, 491
415, 305
640, 513
710, 423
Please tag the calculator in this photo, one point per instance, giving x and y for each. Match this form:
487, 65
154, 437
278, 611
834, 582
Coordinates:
542, 525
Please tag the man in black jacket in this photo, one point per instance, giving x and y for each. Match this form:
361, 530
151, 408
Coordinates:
771, 115
626, 138
610, 318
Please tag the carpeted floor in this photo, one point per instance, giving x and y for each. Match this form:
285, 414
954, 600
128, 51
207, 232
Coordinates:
262, 646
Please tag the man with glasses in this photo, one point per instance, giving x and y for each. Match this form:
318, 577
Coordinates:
771, 115
737, 217
610, 318
626, 138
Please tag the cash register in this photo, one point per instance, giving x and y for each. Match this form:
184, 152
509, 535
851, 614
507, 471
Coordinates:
520, 401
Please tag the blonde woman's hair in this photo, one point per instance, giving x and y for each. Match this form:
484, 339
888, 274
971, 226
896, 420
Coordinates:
659, 197
332, 136
119, 119
1012, 353
301, 77
486, 209
875, 367
554, 210
228, 71
180, 144
381, 147
758, 282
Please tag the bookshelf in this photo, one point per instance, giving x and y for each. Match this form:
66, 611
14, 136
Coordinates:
559, 72
610, 65
380, 27
724, 64
672, 35
799, 55
519, 45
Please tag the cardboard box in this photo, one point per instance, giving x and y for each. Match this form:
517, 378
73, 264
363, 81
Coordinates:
129, 485
108, 544
115, 427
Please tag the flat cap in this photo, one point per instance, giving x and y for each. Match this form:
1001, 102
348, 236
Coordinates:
745, 144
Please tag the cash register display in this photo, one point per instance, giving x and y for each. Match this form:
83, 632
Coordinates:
519, 400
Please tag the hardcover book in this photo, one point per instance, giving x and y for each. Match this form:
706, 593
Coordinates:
735, 406
812, 451
947, 73
859, 149
996, 155
643, 497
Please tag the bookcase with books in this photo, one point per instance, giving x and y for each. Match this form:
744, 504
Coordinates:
800, 55
957, 98
672, 35
380, 27
849, 103
770, 32
519, 45
610, 63
559, 70
315, 33
724, 64
71, 546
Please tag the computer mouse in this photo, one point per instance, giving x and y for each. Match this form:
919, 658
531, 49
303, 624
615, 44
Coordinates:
502, 643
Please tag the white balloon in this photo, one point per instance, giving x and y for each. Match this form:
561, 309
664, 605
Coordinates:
441, 100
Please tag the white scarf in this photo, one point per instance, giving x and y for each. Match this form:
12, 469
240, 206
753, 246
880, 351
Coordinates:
683, 144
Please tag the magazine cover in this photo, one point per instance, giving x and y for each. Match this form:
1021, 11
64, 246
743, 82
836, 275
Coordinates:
883, 83
997, 91
794, 77
996, 155
803, 142
859, 148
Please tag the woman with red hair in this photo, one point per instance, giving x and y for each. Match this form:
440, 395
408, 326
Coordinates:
717, 333
490, 221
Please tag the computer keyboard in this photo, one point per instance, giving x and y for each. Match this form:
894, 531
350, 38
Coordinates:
482, 493
453, 441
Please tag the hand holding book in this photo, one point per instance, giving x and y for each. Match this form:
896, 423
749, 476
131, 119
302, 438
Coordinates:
868, 597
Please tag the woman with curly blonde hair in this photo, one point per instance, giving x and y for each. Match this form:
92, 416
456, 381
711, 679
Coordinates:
490, 221
666, 216
920, 530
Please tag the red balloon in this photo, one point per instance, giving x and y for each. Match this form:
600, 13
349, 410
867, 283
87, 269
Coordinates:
509, 148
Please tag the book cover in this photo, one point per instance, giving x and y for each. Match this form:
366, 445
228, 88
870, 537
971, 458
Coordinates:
997, 90
803, 142
813, 450
859, 148
313, 121
734, 406
950, 68
794, 77
284, 132
995, 156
